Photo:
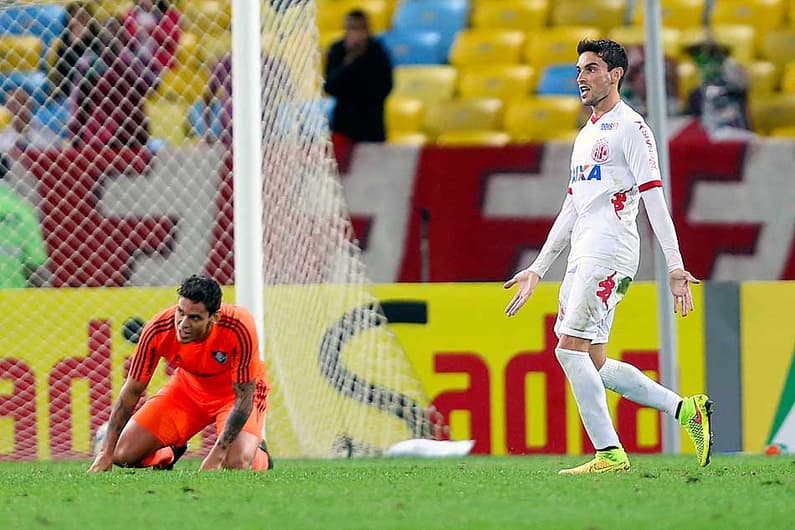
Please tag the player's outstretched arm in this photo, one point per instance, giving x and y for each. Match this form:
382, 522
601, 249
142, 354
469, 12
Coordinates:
122, 412
527, 281
680, 281
238, 416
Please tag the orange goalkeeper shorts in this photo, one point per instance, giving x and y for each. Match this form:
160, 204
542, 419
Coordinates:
177, 413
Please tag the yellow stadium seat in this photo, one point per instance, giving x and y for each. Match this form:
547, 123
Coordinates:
771, 112
762, 15
636, 35
168, 120
19, 52
783, 132
763, 77
408, 138
543, 118
113, 8
502, 81
429, 83
788, 78
738, 38
188, 54
183, 85
462, 114
688, 78
403, 115
208, 16
674, 13
331, 13
487, 46
5, 117
524, 15
474, 137
778, 46
213, 47
556, 45
602, 14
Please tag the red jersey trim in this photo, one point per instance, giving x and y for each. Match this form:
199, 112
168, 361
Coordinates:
244, 339
649, 185
568, 191
144, 360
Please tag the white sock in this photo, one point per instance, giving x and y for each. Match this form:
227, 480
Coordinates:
636, 386
590, 395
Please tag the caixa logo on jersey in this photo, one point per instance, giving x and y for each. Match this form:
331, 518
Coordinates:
586, 172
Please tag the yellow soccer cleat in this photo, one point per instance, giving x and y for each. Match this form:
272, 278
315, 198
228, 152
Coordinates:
694, 415
603, 462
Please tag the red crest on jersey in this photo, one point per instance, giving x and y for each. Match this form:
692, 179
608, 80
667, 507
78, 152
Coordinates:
600, 151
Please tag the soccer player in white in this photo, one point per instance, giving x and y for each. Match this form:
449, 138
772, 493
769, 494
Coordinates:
613, 165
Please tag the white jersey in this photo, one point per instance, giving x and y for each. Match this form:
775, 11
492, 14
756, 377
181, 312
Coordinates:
614, 159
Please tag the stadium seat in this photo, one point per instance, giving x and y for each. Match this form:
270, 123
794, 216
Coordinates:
208, 16
213, 47
5, 117
738, 38
502, 81
430, 84
117, 8
778, 46
462, 114
675, 13
403, 114
331, 13
788, 78
20, 52
197, 124
688, 78
762, 15
522, 15
771, 112
556, 45
54, 115
187, 54
559, 80
183, 84
34, 83
473, 137
416, 138
763, 77
783, 132
168, 120
487, 46
544, 118
636, 36
447, 17
44, 21
602, 14
414, 47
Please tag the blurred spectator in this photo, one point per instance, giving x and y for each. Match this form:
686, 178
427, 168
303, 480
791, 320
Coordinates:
109, 94
81, 35
359, 76
721, 100
25, 131
218, 96
154, 30
23, 254
633, 90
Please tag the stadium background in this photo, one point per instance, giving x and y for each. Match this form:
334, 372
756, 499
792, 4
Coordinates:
481, 192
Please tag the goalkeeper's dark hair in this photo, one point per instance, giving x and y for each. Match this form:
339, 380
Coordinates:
609, 51
199, 288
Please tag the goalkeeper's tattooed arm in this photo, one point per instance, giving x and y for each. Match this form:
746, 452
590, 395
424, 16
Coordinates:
238, 416
122, 412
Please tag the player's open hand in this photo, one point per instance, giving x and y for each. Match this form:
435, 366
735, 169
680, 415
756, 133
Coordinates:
527, 281
680, 281
103, 462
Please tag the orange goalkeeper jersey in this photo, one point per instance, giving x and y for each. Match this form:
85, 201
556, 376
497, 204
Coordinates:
229, 354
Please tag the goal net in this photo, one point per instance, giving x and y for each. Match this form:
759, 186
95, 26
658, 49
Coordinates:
117, 179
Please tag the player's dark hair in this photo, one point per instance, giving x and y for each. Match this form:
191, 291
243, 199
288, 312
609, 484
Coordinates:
360, 14
609, 51
202, 289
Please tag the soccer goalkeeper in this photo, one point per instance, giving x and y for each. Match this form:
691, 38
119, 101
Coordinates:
219, 379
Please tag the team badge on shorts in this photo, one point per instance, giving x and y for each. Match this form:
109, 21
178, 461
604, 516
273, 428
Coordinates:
219, 356
600, 151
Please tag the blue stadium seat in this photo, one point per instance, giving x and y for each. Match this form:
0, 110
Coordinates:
559, 79
447, 17
414, 47
54, 115
34, 83
196, 124
46, 22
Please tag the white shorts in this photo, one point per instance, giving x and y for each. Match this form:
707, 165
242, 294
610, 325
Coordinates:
587, 301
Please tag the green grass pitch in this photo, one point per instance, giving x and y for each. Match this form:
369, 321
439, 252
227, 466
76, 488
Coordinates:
470, 493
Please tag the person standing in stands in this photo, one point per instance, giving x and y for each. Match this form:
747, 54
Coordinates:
359, 76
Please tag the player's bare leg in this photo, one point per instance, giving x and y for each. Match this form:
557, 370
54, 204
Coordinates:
138, 447
244, 451
589, 392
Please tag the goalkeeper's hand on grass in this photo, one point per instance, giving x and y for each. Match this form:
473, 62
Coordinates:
103, 462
